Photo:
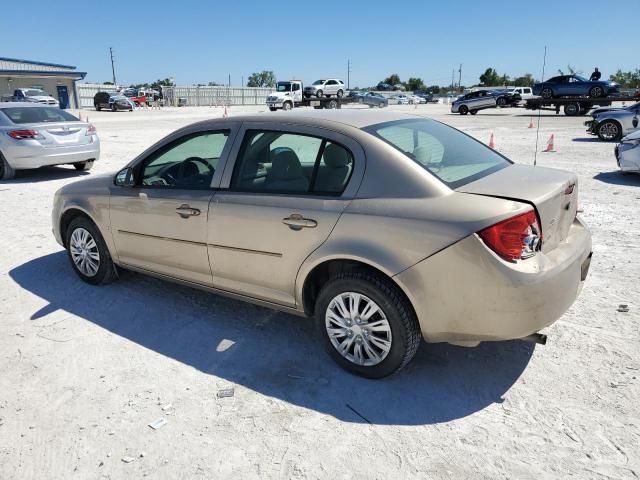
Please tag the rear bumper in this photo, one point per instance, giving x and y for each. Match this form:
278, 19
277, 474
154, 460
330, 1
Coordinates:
468, 294
22, 157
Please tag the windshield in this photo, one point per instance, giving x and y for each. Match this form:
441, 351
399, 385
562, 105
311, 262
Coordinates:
582, 79
283, 87
319, 82
36, 93
21, 115
450, 155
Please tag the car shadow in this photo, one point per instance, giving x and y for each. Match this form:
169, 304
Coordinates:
273, 353
45, 174
588, 140
616, 177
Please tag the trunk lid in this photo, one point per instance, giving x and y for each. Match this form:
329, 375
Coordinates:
553, 193
61, 134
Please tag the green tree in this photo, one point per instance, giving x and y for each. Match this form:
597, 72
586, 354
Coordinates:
107, 83
392, 79
415, 84
490, 78
266, 78
630, 79
524, 81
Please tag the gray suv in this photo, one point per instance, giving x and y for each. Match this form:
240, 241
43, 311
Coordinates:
329, 87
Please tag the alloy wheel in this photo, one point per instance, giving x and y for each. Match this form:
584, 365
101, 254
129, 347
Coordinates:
358, 329
609, 131
84, 252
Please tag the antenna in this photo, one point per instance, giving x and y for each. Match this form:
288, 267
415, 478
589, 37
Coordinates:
113, 70
535, 153
348, 73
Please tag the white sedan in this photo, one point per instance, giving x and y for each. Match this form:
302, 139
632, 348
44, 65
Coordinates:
33, 136
628, 153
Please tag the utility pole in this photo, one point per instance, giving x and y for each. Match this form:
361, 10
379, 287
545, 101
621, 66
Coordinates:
113, 70
348, 74
453, 72
229, 80
460, 77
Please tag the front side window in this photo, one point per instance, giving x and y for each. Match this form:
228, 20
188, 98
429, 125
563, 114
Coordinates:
278, 162
451, 156
188, 163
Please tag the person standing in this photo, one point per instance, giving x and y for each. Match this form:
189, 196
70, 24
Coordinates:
595, 76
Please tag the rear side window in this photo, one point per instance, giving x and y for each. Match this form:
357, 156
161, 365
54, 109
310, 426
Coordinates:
21, 115
278, 162
451, 156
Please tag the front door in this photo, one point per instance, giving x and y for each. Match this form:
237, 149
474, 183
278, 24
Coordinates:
160, 225
63, 96
285, 194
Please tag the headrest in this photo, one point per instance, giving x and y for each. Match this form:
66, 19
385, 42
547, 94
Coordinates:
335, 156
285, 166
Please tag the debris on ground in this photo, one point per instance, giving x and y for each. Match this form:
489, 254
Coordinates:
623, 308
127, 459
225, 392
159, 423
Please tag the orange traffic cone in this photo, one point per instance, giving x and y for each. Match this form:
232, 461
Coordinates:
531, 125
550, 145
492, 144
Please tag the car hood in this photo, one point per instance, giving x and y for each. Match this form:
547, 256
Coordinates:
632, 136
548, 189
94, 185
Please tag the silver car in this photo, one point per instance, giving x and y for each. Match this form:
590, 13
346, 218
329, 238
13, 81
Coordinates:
386, 228
321, 88
613, 124
33, 136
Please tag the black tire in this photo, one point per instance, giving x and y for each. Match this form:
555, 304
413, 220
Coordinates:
273, 109
339, 94
596, 92
106, 272
571, 109
473, 112
287, 106
319, 94
332, 104
98, 107
463, 110
501, 102
84, 166
546, 93
609, 131
306, 95
405, 330
371, 106
113, 107
7, 172
382, 105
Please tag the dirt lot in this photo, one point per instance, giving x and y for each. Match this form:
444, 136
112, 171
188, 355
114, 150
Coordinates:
84, 370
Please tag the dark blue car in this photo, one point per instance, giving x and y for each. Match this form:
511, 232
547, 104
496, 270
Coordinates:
573, 85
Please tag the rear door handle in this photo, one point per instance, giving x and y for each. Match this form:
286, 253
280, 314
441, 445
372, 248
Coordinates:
185, 211
295, 221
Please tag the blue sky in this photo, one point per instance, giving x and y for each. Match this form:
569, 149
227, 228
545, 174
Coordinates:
198, 42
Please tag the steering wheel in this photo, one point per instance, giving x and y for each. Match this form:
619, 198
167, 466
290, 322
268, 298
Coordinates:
194, 160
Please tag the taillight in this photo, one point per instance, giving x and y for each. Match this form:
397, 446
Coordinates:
515, 238
23, 134
91, 129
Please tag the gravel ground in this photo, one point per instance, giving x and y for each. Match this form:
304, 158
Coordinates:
84, 370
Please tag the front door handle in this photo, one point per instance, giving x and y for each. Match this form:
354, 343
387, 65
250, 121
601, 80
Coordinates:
185, 211
298, 222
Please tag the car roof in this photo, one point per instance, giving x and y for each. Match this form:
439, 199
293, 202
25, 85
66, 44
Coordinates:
23, 104
357, 118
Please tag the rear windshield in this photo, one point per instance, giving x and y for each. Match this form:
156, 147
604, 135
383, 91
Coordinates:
20, 115
450, 155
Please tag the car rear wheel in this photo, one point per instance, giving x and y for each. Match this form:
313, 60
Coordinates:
546, 93
596, 92
319, 94
84, 166
366, 324
98, 107
6, 171
463, 110
473, 112
88, 252
382, 105
113, 107
609, 131
501, 102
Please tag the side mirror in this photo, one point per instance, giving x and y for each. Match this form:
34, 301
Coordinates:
124, 178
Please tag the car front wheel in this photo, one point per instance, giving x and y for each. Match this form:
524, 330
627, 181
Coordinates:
463, 110
546, 93
501, 102
596, 92
366, 324
88, 252
609, 131
319, 94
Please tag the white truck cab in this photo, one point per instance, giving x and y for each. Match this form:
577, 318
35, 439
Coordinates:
525, 92
286, 95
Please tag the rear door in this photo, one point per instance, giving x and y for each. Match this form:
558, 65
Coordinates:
160, 225
331, 87
278, 202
